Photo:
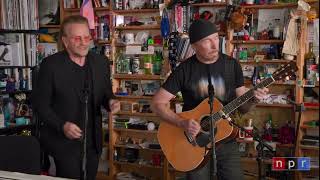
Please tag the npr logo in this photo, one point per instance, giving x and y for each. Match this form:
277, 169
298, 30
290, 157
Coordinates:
291, 163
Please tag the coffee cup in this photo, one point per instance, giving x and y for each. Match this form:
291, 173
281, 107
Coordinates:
246, 134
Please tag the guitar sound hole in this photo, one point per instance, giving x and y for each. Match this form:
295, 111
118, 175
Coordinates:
205, 124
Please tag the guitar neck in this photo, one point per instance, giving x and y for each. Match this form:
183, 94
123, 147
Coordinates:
233, 105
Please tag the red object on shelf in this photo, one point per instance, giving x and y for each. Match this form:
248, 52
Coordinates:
311, 104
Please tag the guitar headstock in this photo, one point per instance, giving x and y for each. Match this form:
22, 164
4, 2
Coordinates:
286, 70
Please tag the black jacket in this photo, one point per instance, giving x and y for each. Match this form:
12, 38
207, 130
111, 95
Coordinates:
54, 98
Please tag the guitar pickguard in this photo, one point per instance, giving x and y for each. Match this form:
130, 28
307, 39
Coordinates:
203, 138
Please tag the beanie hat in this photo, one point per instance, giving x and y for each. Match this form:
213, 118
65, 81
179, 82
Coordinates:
200, 29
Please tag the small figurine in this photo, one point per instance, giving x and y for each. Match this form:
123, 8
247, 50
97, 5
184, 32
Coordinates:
267, 132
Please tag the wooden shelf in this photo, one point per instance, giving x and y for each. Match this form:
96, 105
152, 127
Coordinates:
138, 11
137, 76
71, 9
102, 42
78, 9
256, 175
102, 8
309, 127
135, 131
19, 31
243, 141
124, 45
142, 27
16, 92
253, 159
102, 176
258, 42
16, 129
50, 26
215, 4
137, 165
19, 67
271, 6
316, 84
261, 105
277, 5
285, 145
139, 148
305, 147
265, 61
137, 114
134, 97
311, 107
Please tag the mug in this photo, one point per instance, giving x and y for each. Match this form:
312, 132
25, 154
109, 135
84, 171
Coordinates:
129, 38
246, 136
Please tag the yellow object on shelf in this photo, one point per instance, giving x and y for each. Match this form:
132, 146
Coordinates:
312, 14
46, 38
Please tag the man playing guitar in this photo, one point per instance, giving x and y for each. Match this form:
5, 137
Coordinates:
191, 78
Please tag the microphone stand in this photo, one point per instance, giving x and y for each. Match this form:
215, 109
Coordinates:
261, 145
85, 99
213, 160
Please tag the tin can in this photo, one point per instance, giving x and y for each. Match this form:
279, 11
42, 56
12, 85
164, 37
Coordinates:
135, 66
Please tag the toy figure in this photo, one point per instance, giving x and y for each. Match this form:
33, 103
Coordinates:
267, 132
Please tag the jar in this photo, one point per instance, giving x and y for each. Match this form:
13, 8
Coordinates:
126, 65
276, 29
135, 66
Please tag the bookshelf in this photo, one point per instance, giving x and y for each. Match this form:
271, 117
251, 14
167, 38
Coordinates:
18, 56
278, 110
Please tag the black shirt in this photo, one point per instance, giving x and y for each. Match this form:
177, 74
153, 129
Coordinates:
83, 84
191, 78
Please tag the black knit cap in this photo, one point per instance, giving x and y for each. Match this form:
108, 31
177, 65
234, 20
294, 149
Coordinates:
200, 29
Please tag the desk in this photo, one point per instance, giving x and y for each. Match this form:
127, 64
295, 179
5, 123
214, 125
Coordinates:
6, 175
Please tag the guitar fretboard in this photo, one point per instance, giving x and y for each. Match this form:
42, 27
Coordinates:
233, 105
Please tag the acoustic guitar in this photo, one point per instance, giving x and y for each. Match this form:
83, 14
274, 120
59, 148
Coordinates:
186, 153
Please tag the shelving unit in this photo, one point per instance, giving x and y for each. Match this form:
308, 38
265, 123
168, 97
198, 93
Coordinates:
310, 112
231, 43
168, 172
18, 59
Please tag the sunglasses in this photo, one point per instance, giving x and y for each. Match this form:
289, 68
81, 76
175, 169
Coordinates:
77, 39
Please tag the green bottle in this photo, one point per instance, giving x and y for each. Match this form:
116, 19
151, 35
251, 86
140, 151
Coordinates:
157, 63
